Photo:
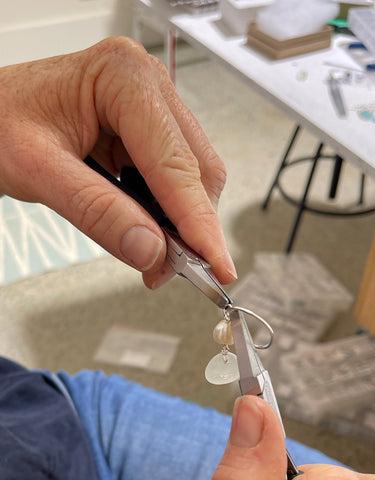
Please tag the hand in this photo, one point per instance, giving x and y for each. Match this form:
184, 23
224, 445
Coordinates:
117, 103
256, 448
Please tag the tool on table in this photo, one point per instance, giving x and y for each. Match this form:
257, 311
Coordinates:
335, 92
254, 379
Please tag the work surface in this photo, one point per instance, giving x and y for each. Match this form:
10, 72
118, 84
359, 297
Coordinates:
297, 85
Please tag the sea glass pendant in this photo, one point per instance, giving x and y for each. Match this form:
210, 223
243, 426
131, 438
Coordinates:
222, 368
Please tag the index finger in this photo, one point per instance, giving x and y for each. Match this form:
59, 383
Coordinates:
212, 169
136, 109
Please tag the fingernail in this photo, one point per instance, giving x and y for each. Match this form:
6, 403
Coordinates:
141, 247
247, 424
230, 268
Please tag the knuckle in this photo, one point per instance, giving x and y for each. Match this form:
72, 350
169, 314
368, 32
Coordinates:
123, 53
123, 46
181, 169
174, 155
185, 162
123, 80
158, 65
199, 212
162, 73
165, 83
219, 174
93, 207
214, 174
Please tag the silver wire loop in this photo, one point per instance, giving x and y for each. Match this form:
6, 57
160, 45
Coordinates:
257, 317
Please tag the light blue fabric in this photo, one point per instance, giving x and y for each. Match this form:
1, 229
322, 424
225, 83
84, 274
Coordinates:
138, 434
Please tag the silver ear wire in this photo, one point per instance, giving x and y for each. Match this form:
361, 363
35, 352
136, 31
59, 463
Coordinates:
257, 317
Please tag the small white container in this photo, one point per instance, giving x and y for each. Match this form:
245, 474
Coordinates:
237, 14
362, 23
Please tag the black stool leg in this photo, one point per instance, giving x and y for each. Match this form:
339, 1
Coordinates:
335, 177
362, 189
281, 166
302, 204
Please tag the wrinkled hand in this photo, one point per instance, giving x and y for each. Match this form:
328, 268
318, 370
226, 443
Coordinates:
256, 448
117, 103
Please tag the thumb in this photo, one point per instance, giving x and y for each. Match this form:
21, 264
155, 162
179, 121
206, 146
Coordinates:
104, 213
256, 445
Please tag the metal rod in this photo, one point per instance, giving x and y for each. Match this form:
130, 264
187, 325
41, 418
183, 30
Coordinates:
335, 177
281, 167
303, 200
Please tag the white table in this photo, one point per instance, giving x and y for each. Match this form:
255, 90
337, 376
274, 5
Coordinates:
297, 85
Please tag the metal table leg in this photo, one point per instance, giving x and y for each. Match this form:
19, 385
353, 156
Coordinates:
171, 53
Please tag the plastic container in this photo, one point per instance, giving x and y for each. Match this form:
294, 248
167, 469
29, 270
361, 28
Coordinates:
361, 22
303, 282
331, 377
237, 14
254, 292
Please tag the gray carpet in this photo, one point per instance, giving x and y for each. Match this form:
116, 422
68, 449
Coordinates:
57, 320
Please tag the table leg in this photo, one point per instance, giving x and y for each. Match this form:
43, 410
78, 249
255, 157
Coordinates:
282, 165
136, 25
171, 53
302, 205
335, 177
362, 189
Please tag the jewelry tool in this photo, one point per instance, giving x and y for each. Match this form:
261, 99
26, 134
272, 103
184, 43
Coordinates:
254, 378
336, 95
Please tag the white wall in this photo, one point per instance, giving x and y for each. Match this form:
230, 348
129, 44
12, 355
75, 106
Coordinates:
32, 29
18, 12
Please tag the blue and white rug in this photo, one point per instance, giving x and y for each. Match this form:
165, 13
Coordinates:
34, 239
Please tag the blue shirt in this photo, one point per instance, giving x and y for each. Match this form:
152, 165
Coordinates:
41, 436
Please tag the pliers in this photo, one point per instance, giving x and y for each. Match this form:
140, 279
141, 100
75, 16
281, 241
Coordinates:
254, 378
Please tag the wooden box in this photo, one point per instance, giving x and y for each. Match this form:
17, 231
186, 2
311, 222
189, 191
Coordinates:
278, 49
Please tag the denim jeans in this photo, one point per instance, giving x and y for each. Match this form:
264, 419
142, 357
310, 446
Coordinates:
137, 433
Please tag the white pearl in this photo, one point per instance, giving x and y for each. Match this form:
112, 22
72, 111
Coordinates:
223, 333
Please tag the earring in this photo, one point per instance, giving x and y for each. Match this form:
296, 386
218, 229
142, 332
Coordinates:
223, 368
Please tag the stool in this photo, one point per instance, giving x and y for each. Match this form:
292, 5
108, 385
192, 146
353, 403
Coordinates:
301, 204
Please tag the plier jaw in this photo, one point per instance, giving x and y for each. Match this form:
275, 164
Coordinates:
254, 378
190, 265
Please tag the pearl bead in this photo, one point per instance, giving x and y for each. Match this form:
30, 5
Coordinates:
223, 333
